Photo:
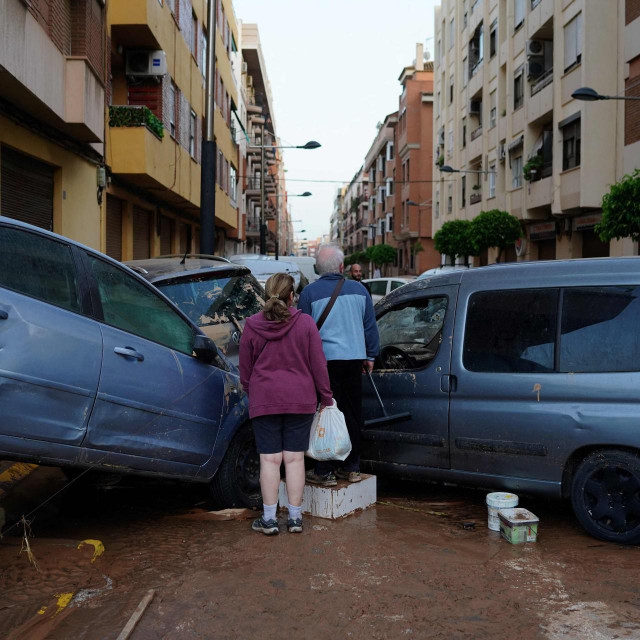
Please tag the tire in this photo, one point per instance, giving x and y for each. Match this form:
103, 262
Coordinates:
237, 481
605, 495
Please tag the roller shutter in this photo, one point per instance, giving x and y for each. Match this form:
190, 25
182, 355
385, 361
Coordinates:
166, 235
141, 233
26, 189
114, 227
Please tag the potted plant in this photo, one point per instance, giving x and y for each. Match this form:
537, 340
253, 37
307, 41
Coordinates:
440, 160
532, 168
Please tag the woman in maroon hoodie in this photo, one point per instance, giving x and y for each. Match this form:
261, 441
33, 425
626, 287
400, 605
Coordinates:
284, 372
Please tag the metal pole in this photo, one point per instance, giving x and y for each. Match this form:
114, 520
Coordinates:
277, 224
208, 160
263, 226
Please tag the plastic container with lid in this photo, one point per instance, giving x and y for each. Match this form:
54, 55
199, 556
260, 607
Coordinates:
497, 501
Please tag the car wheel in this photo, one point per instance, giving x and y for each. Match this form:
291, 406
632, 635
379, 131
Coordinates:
237, 481
605, 495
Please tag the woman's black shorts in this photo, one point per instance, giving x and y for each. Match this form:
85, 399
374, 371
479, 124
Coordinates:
282, 432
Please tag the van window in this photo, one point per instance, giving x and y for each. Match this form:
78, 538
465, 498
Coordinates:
410, 335
511, 331
600, 329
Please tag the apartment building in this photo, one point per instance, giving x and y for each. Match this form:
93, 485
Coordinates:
414, 168
53, 72
630, 44
355, 213
264, 171
158, 63
380, 168
505, 120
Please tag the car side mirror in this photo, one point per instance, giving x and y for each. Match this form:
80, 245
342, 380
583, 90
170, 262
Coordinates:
204, 348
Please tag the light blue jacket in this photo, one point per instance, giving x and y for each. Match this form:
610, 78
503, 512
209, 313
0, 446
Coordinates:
350, 331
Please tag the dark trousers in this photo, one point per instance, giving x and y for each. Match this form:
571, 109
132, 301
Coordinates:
345, 377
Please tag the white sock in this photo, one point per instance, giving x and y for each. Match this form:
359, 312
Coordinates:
295, 513
269, 511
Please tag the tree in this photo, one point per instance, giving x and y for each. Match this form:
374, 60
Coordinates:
454, 239
495, 228
621, 210
382, 254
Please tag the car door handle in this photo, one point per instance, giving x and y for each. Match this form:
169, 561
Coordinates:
128, 352
448, 383
3, 314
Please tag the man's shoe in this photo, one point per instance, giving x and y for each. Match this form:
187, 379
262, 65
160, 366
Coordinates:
294, 526
351, 476
327, 480
269, 528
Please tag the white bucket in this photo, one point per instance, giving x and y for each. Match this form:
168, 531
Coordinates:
497, 501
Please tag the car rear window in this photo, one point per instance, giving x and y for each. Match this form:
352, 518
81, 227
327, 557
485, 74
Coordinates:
209, 301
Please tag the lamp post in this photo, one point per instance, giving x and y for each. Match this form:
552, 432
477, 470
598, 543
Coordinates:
311, 144
306, 194
591, 95
208, 160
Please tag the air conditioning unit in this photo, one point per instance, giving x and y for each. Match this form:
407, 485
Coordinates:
146, 63
502, 152
535, 47
474, 107
535, 66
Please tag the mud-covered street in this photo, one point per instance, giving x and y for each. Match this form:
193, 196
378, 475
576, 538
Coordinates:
420, 564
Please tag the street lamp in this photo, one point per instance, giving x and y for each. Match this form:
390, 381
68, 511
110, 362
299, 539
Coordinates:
311, 144
591, 95
306, 194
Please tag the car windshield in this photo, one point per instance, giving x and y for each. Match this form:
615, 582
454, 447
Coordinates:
210, 301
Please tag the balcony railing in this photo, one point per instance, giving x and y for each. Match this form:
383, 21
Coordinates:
476, 133
135, 116
542, 81
474, 198
253, 183
534, 4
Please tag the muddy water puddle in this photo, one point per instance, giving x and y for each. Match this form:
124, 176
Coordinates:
420, 564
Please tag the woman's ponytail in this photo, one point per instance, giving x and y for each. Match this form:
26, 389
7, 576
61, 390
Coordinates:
278, 289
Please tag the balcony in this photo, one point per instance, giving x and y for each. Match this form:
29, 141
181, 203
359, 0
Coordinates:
144, 159
139, 24
541, 82
540, 193
476, 133
475, 197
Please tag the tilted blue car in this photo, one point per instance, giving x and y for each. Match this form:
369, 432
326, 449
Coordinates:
99, 369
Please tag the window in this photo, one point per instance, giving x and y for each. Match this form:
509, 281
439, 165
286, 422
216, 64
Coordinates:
389, 223
452, 32
437, 207
389, 187
518, 14
378, 287
192, 133
511, 331
410, 336
233, 183
571, 145
450, 149
492, 180
599, 329
464, 131
194, 35
38, 267
516, 169
476, 50
210, 301
450, 199
493, 38
465, 71
463, 191
518, 88
203, 53
130, 306
172, 100
573, 42
389, 151
493, 114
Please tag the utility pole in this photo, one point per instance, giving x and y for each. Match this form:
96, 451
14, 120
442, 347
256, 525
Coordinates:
208, 160
277, 247
263, 224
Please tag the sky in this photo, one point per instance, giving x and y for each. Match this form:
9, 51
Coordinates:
333, 67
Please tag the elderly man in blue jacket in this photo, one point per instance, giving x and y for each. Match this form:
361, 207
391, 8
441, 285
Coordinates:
350, 343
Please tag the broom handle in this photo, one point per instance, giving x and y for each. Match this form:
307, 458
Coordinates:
373, 384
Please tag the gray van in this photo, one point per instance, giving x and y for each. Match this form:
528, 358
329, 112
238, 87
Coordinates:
521, 376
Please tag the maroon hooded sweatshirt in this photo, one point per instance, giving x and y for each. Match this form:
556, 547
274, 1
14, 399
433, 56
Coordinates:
282, 365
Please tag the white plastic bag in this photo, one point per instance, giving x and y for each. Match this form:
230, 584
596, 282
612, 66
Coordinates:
329, 438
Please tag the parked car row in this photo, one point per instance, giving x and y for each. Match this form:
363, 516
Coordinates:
523, 377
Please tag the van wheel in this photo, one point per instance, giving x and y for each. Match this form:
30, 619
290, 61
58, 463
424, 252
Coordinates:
237, 481
605, 495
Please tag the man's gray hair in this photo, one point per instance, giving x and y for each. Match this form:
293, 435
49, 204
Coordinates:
329, 257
